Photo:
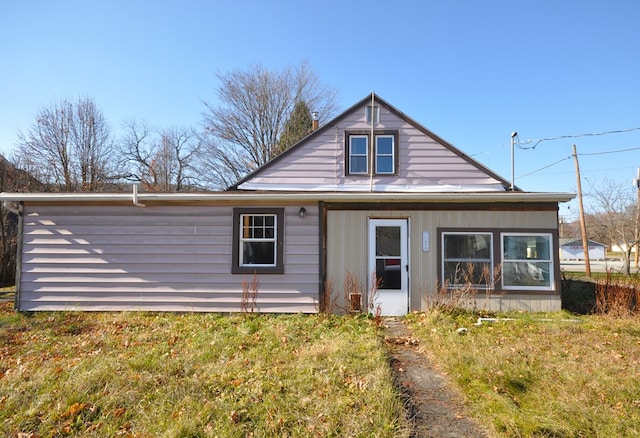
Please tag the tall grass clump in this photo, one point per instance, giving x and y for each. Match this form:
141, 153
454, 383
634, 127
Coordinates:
617, 296
467, 286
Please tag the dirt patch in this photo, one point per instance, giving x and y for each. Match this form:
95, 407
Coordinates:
435, 409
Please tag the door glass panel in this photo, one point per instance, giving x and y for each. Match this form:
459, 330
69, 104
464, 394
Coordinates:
388, 261
388, 241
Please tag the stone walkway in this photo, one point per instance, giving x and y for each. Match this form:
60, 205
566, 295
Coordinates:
435, 408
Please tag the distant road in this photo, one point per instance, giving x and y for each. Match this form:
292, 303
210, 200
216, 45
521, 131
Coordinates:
615, 265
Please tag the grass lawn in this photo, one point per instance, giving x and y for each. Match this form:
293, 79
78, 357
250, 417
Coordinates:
532, 377
194, 375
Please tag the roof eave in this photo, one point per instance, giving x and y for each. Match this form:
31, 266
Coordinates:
287, 197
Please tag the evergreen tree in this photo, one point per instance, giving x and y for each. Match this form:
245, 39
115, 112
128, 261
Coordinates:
297, 127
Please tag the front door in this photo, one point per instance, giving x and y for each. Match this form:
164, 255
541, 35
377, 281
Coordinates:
389, 266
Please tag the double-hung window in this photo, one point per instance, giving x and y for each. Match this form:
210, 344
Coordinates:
527, 261
385, 154
258, 240
467, 259
385, 151
358, 154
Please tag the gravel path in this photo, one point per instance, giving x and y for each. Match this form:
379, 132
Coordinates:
435, 408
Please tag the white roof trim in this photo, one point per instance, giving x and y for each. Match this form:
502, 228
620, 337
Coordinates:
285, 197
387, 188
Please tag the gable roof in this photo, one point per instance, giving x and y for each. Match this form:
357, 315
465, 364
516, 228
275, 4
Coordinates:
432, 164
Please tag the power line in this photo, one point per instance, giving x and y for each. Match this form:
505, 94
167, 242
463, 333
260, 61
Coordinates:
546, 167
536, 142
581, 154
611, 152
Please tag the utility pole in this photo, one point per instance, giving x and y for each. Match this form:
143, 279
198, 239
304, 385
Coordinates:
637, 236
583, 224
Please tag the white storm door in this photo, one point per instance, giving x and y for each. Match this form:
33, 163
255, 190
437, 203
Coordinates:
389, 261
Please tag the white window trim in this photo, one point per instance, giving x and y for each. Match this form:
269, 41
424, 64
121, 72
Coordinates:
365, 155
273, 239
549, 261
392, 155
464, 260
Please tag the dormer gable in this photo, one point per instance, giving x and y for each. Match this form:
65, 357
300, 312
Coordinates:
373, 147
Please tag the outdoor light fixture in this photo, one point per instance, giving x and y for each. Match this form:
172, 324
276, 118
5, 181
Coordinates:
303, 212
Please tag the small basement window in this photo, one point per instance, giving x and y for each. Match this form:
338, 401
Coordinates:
258, 241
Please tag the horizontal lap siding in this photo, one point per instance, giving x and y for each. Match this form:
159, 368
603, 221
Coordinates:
175, 258
422, 160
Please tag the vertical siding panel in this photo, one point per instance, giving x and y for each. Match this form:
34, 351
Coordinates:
347, 250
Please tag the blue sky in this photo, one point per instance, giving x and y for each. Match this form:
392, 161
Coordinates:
470, 71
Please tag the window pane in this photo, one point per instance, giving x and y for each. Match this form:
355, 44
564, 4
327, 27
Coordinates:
468, 273
387, 241
527, 248
384, 145
258, 253
468, 260
527, 261
467, 246
376, 114
358, 145
526, 274
388, 272
384, 165
358, 165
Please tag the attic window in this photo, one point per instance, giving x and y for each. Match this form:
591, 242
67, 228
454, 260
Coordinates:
385, 153
376, 115
358, 154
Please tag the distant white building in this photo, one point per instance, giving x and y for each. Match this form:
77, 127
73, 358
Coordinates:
572, 249
622, 248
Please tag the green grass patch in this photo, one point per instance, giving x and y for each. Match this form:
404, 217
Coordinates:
194, 375
540, 376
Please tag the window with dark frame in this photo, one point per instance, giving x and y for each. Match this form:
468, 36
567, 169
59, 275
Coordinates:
258, 240
385, 152
525, 259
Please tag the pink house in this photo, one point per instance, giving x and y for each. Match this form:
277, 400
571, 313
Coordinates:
372, 196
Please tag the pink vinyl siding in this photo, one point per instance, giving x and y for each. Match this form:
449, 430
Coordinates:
424, 163
175, 258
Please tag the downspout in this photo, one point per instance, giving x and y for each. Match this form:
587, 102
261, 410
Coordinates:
371, 147
135, 197
17, 293
7, 206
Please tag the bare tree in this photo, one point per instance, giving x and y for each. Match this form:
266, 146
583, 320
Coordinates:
614, 217
163, 161
69, 146
254, 106
11, 180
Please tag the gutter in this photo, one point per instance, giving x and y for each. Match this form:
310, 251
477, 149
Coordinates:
140, 198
